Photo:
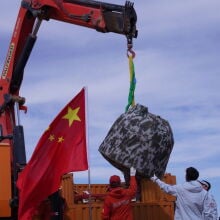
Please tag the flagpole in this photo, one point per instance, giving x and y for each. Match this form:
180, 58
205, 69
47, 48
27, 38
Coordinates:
87, 145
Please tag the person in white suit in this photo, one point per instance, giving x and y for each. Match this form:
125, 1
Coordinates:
190, 196
212, 212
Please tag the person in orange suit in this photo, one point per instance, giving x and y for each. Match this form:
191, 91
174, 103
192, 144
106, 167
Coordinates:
117, 203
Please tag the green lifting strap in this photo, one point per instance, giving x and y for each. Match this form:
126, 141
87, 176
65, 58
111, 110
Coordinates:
131, 101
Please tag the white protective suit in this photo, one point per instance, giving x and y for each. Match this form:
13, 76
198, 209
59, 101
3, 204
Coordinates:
211, 212
190, 199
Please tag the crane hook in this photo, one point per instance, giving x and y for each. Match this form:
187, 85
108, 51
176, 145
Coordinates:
130, 52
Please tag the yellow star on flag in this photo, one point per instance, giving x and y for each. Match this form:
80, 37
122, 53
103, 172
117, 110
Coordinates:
60, 139
51, 137
72, 115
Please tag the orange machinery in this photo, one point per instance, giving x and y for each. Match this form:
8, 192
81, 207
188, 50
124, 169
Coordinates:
101, 16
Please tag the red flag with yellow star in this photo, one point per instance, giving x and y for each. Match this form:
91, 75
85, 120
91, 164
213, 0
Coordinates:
61, 149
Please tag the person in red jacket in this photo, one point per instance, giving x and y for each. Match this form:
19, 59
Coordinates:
117, 203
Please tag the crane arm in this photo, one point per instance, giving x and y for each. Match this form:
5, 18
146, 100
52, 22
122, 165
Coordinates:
101, 16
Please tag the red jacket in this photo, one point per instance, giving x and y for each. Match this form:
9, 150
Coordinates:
117, 204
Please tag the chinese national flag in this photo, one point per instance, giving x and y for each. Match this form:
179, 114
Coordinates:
61, 149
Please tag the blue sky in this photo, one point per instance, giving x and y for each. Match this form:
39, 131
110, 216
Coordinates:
178, 77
